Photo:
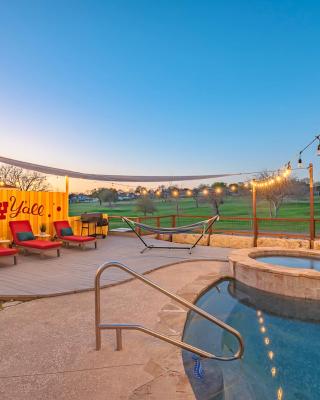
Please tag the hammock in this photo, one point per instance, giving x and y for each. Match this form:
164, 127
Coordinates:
205, 225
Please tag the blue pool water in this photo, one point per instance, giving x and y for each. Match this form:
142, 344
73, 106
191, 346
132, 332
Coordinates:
282, 346
294, 262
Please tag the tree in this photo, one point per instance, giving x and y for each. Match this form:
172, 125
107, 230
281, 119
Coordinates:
196, 196
216, 196
141, 190
276, 193
105, 195
22, 179
145, 205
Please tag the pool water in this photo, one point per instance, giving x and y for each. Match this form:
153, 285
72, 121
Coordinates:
294, 262
282, 346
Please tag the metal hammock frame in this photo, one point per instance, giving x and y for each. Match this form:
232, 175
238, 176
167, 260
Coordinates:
206, 226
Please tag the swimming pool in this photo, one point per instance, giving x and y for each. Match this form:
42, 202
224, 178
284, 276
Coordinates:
294, 262
282, 346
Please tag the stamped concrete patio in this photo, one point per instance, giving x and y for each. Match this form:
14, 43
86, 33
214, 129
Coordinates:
47, 345
74, 271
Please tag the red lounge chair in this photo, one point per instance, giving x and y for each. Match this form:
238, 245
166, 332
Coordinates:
42, 246
67, 239
5, 252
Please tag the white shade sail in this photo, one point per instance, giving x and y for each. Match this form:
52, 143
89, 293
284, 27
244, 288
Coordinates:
111, 178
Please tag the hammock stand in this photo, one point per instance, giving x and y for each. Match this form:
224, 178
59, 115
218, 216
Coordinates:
206, 226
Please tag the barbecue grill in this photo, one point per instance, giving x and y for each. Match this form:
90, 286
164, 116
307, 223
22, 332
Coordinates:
95, 219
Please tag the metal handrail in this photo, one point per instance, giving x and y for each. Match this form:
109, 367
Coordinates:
119, 327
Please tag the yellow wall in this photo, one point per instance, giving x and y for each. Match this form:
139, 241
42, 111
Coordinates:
37, 207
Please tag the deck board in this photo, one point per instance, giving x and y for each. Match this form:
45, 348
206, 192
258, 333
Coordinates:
74, 271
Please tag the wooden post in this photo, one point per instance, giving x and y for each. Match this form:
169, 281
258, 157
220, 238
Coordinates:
67, 197
173, 217
173, 221
312, 222
158, 226
254, 215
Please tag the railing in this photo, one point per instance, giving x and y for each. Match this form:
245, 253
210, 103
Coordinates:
119, 327
301, 228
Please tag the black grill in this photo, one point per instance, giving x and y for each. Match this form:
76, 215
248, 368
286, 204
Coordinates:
95, 219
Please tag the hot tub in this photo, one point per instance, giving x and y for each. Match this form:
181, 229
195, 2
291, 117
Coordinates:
291, 261
294, 273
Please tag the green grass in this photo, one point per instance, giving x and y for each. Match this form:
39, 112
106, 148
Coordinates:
232, 207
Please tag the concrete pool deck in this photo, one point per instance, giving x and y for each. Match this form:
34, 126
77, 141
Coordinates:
74, 271
48, 352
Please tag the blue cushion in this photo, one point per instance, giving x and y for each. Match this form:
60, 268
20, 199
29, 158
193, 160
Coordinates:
66, 232
23, 236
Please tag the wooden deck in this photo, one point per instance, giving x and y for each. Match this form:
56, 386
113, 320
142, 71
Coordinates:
74, 271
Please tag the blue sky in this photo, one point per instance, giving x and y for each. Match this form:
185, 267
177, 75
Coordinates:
159, 87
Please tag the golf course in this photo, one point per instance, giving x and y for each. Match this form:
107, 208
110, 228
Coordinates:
233, 207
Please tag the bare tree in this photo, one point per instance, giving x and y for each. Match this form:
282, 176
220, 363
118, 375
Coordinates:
276, 193
216, 196
145, 205
196, 196
22, 179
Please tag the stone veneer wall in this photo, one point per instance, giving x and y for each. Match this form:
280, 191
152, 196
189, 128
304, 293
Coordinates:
242, 242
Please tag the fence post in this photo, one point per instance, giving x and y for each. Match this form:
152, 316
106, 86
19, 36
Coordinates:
254, 215
173, 223
158, 226
312, 222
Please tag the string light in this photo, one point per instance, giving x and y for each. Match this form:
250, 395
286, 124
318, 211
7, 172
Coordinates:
233, 188
317, 137
205, 191
218, 190
175, 193
276, 178
189, 192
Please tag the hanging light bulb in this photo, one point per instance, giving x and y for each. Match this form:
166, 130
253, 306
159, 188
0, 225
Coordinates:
300, 164
318, 149
175, 193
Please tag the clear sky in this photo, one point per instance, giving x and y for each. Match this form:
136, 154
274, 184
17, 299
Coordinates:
159, 87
